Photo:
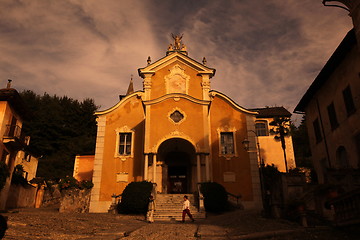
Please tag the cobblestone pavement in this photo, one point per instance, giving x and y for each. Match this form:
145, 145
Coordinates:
29, 224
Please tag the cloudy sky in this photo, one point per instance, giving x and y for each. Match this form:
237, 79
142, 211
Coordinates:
266, 53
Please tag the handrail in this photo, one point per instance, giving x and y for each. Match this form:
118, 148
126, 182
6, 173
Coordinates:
116, 199
233, 196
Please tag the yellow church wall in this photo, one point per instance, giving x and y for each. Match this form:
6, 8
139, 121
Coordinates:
121, 170
225, 118
158, 88
161, 125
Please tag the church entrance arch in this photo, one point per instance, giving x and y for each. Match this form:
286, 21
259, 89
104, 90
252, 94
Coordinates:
178, 158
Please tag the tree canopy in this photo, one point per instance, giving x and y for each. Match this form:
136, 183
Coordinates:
60, 128
301, 144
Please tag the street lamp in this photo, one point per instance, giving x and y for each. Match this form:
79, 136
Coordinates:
246, 144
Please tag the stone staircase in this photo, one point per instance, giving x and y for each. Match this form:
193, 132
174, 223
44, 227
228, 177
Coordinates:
169, 207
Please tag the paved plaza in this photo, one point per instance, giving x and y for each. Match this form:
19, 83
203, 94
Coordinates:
44, 224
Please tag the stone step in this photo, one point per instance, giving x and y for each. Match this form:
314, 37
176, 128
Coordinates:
178, 216
196, 214
169, 207
163, 211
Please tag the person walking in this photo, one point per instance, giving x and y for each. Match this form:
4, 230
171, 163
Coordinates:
151, 210
186, 209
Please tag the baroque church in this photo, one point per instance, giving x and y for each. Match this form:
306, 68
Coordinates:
175, 132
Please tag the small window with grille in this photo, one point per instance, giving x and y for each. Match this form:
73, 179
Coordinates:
261, 128
227, 143
125, 143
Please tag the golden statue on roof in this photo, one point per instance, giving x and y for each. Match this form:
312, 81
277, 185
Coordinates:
177, 41
177, 45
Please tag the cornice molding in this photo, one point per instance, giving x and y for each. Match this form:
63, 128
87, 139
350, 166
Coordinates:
121, 102
176, 97
232, 102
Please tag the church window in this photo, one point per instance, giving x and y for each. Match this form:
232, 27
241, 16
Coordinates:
317, 132
125, 143
227, 143
261, 128
348, 100
176, 116
332, 116
341, 158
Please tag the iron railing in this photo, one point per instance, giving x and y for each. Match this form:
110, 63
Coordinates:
347, 208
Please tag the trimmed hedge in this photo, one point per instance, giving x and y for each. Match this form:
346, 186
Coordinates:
215, 197
135, 197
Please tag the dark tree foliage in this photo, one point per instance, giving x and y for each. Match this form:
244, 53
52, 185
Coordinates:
301, 145
60, 128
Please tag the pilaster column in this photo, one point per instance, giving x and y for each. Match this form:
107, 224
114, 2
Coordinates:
205, 86
207, 168
154, 168
146, 167
147, 85
198, 168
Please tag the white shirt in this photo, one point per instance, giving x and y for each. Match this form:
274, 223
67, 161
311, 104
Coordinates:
186, 204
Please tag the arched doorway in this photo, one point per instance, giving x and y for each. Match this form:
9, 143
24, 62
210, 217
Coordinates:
341, 158
178, 160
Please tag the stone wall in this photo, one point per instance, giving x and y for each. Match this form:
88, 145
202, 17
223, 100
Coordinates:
75, 200
21, 196
52, 197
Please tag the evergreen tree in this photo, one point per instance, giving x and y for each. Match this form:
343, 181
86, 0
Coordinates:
60, 128
301, 145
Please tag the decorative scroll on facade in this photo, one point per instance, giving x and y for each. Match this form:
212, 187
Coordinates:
177, 81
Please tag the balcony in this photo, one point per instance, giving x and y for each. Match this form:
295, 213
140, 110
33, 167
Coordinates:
14, 138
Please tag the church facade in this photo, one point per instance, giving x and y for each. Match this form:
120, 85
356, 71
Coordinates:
176, 132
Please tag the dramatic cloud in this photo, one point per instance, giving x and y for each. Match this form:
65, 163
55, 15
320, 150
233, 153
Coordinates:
266, 53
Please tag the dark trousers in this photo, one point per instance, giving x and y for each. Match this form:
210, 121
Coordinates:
186, 211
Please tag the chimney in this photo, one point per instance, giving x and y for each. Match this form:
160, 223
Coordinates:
9, 83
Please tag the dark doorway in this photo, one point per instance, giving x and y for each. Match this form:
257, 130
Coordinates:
178, 157
178, 171
177, 179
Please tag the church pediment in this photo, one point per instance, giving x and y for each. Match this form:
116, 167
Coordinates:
177, 51
176, 97
176, 73
176, 57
